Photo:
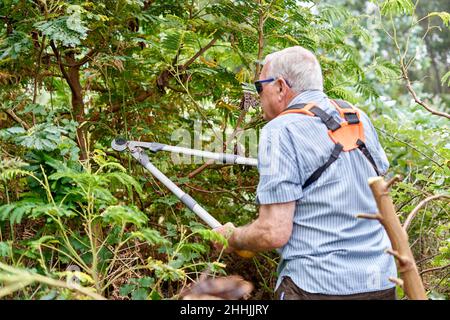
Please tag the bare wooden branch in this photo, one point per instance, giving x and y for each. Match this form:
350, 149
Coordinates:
413, 213
416, 98
397, 281
16, 118
262, 20
392, 181
434, 269
369, 216
399, 239
405, 263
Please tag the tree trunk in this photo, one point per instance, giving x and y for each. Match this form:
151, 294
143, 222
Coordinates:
73, 74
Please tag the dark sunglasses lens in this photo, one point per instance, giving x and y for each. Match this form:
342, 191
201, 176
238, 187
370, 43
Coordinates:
258, 86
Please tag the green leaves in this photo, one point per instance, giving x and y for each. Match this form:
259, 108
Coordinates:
15, 45
153, 237
122, 215
445, 80
164, 271
42, 137
137, 287
445, 17
68, 30
397, 7
5, 249
32, 208
385, 70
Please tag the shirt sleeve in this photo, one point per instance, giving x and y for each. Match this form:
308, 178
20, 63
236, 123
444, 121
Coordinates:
280, 176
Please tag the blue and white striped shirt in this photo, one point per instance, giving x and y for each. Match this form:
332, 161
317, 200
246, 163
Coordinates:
330, 251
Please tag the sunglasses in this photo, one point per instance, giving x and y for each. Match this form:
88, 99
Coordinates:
259, 84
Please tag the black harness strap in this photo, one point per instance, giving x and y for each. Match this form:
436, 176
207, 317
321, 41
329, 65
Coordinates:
351, 118
333, 125
316, 174
327, 119
297, 106
363, 148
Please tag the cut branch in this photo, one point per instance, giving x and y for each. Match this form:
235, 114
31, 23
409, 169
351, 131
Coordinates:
413, 285
392, 181
397, 281
369, 216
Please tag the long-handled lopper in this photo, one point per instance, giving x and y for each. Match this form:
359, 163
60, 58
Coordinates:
136, 150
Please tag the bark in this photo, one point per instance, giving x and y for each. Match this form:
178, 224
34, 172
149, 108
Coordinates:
411, 280
71, 74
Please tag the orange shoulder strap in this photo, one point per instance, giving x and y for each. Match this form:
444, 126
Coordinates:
304, 109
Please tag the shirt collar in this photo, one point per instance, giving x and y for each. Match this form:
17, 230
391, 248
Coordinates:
310, 96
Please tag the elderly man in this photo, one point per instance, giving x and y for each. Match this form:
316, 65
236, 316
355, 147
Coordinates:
315, 156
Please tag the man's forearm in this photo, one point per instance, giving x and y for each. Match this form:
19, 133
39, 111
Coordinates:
271, 230
253, 237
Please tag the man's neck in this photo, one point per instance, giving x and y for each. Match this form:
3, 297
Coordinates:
306, 96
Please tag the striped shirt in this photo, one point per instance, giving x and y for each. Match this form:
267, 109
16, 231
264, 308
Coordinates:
330, 251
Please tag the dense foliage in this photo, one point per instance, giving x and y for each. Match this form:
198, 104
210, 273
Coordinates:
76, 74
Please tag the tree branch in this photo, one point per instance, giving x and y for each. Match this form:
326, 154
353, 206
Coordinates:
61, 65
434, 269
166, 75
24, 278
262, 20
419, 206
414, 95
141, 97
83, 60
199, 53
17, 119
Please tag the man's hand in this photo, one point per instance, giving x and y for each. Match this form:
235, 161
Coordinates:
226, 230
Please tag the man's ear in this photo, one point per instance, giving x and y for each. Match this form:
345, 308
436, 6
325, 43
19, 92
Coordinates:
280, 85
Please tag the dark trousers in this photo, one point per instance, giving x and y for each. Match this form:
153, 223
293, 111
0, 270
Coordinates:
288, 290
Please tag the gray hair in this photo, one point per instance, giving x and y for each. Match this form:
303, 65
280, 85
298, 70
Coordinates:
298, 66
